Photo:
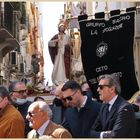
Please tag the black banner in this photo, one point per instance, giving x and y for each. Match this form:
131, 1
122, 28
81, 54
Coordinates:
107, 47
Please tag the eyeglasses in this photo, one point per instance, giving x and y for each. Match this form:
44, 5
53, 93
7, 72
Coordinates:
69, 98
33, 114
30, 114
21, 91
102, 86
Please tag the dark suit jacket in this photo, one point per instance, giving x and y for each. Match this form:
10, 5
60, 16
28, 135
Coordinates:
23, 110
53, 130
120, 123
80, 123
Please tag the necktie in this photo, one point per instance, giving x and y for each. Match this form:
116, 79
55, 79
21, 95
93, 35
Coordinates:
106, 110
36, 135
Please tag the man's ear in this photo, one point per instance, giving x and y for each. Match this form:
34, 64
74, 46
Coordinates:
113, 89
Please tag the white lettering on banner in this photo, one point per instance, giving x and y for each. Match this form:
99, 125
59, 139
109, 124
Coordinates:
118, 74
117, 24
122, 18
93, 81
102, 68
96, 24
110, 29
95, 32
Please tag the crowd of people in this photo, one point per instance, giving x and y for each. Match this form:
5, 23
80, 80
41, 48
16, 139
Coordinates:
81, 115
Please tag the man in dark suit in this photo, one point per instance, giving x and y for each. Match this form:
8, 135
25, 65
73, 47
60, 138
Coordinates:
120, 121
80, 116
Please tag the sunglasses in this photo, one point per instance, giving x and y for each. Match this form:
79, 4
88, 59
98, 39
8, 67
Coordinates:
69, 98
33, 114
102, 86
21, 91
30, 114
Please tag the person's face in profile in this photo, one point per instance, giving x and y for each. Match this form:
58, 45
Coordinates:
35, 117
71, 97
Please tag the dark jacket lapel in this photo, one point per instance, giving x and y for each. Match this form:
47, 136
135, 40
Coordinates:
113, 109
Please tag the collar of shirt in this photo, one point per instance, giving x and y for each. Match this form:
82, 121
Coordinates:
42, 128
83, 104
111, 102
